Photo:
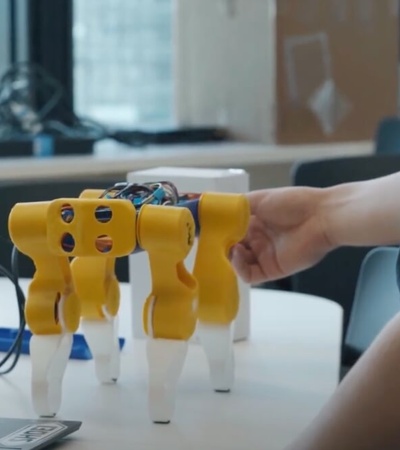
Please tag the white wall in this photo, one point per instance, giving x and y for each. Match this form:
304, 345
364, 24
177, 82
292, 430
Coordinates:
225, 65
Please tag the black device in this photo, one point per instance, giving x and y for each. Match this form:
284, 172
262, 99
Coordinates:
24, 434
185, 135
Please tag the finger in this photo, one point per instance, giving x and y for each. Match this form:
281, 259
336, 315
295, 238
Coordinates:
255, 197
240, 261
245, 264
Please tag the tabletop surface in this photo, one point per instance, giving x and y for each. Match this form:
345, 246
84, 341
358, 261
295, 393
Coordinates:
284, 373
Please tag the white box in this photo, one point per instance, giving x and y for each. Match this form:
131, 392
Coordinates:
187, 180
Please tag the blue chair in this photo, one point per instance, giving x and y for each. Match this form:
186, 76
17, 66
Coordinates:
377, 298
387, 137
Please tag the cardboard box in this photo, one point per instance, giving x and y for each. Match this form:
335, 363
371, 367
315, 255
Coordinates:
337, 68
187, 180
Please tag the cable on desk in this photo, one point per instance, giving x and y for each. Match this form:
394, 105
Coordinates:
32, 102
14, 351
22, 116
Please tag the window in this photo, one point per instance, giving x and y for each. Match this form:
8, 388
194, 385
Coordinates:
13, 33
5, 47
123, 61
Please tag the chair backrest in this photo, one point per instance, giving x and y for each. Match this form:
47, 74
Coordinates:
387, 136
335, 277
16, 192
377, 298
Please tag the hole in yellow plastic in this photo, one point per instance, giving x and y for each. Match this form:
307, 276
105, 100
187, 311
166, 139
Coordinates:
67, 242
103, 214
56, 302
104, 243
67, 213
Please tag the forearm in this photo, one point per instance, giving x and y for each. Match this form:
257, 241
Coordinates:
365, 213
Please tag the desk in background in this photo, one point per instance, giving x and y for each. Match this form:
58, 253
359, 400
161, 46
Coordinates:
284, 374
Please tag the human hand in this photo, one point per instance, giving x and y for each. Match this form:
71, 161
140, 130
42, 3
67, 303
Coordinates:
286, 234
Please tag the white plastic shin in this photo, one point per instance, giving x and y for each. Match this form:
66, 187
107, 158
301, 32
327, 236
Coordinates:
102, 338
165, 358
217, 342
49, 356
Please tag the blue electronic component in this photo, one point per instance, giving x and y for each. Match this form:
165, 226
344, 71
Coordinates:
159, 195
193, 207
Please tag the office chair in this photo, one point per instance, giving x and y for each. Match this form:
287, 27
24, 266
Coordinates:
387, 136
23, 191
376, 300
335, 277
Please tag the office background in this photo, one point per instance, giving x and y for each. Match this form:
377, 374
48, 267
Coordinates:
268, 71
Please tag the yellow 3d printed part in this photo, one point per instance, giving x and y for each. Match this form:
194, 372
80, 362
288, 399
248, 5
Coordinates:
52, 305
223, 222
97, 231
167, 234
49, 233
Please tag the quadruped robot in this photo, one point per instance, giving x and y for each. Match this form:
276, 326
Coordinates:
74, 243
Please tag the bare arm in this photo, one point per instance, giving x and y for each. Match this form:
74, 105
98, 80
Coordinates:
292, 228
364, 213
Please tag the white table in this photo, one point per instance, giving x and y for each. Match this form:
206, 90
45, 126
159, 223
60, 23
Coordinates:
284, 374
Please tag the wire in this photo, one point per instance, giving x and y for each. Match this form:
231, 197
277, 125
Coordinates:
33, 102
28, 97
159, 192
15, 348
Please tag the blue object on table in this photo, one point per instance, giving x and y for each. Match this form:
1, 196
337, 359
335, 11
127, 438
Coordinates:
387, 136
43, 145
80, 348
